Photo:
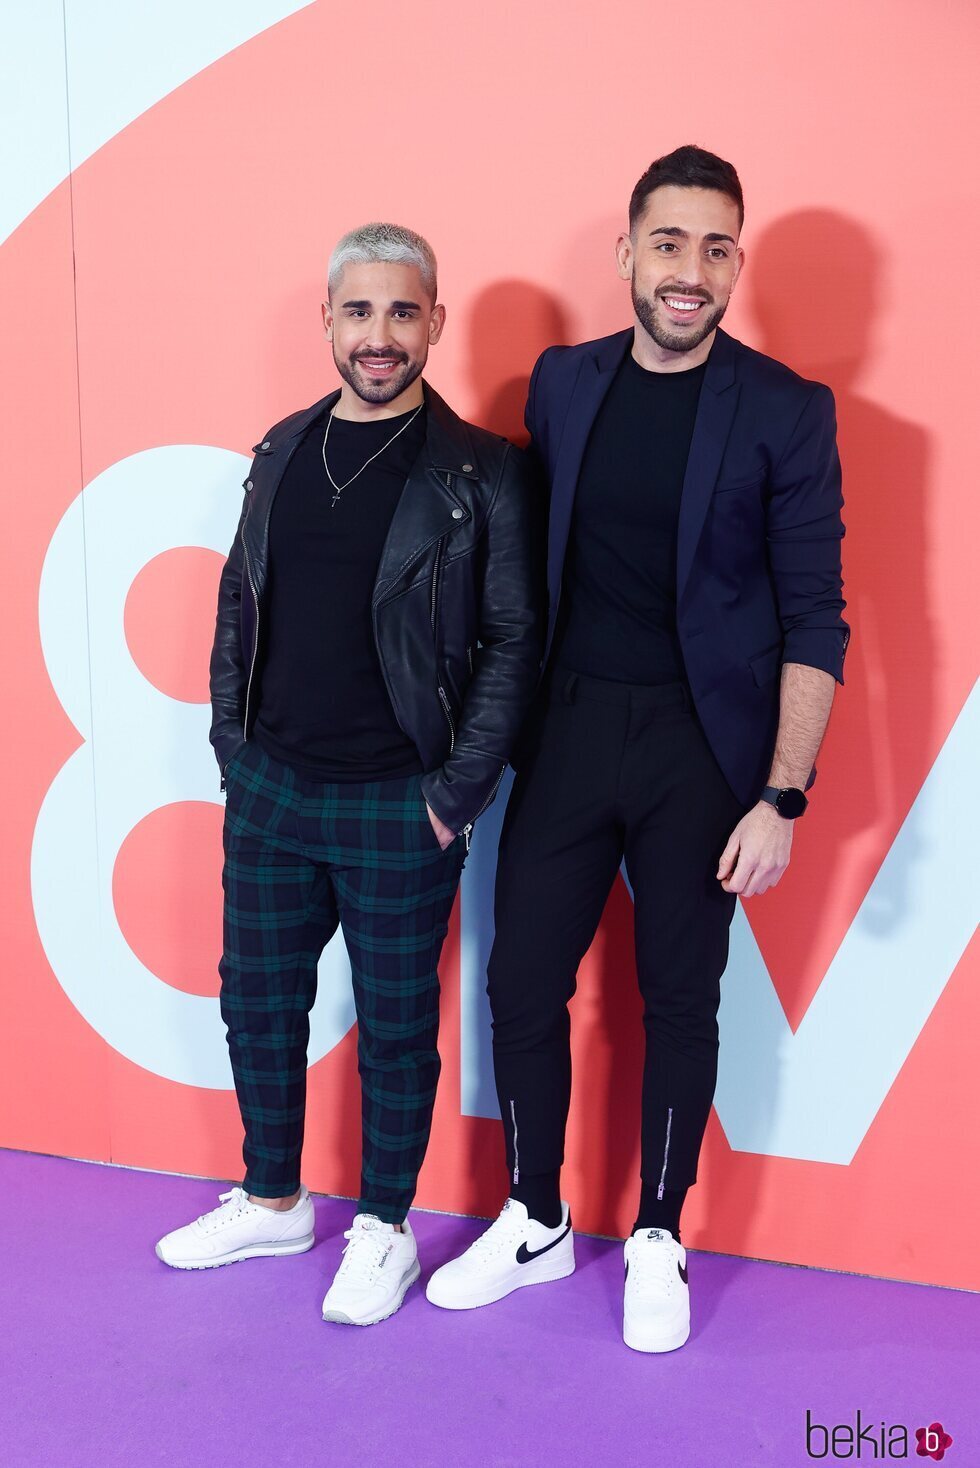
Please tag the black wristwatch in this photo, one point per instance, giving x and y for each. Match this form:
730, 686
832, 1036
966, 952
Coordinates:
790, 802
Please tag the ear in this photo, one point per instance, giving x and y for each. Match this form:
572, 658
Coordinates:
739, 262
327, 320
437, 321
624, 257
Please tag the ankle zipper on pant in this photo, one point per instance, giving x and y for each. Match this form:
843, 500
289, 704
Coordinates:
663, 1170
517, 1165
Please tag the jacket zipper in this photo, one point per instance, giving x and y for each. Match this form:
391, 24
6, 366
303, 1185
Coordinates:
468, 830
449, 717
435, 591
255, 640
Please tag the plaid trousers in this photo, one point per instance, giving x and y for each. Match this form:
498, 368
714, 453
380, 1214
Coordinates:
300, 858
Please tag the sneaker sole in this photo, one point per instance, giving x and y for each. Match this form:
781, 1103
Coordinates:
253, 1251
652, 1344
476, 1301
337, 1317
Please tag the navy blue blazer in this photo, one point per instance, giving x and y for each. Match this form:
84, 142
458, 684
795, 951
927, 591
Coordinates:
758, 544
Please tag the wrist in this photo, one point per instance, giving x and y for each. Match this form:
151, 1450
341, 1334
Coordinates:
787, 800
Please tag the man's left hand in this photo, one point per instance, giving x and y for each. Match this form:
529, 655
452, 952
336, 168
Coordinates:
757, 853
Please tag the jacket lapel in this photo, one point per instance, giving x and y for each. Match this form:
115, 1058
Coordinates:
596, 372
265, 476
716, 411
427, 508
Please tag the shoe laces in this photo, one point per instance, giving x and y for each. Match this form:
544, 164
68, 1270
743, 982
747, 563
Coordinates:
504, 1230
233, 1204
365, 1254
653, 1262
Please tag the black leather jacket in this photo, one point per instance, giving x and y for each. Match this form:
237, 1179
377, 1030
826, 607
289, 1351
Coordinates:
458, 605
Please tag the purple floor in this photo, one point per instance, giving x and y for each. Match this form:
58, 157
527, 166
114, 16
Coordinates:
107, 1357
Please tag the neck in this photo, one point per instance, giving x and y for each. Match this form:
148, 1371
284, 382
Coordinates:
356, 410
655, 358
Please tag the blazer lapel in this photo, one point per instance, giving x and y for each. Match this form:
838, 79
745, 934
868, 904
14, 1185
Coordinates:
716, 411
596, 372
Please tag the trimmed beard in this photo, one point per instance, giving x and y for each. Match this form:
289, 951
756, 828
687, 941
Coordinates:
670, 341
379, 392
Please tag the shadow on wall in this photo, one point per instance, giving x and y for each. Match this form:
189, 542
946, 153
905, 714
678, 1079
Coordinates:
510, 324
816, 285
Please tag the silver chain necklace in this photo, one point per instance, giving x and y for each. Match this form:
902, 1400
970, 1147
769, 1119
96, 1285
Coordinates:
339, 488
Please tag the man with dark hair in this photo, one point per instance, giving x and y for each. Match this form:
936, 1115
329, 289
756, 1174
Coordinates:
378, 639
695, 636
686, 168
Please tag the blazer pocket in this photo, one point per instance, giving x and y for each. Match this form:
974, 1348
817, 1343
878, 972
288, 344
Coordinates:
754, 481
765, 665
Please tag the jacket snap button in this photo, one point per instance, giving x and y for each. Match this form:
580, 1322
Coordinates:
457, 514
266, 444
248, 484
467, 468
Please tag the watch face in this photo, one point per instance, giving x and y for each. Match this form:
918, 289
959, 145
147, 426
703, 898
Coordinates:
791, 803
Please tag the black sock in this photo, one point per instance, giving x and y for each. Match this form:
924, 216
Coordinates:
541, 1197
662, 1212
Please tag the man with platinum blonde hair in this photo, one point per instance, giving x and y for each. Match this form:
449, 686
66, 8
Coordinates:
388, 244
378, 640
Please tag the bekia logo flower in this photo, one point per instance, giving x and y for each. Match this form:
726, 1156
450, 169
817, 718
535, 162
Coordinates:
932, 1442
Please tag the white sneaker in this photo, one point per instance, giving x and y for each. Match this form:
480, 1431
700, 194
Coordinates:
657, 1304
239, 1230
378, 1268
515, 1251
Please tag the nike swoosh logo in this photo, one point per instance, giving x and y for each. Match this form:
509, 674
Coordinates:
682, 1272
524, 1254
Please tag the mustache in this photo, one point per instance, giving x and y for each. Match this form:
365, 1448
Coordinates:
379, 357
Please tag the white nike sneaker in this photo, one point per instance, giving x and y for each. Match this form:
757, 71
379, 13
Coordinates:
379, 1267
239, 1230
657, 1303
514, 1251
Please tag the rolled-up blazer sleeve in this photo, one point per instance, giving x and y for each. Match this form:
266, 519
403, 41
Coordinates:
804, 531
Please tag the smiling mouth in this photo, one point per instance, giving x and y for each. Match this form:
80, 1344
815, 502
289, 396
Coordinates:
683, 304
380, 366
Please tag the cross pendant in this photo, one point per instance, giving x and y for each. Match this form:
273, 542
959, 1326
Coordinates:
334, 500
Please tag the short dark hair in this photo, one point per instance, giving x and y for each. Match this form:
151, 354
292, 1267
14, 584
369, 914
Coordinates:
689, 167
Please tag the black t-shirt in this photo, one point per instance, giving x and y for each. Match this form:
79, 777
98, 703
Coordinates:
323, 706
618, 616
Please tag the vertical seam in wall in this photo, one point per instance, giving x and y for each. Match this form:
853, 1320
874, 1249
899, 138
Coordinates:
81, 486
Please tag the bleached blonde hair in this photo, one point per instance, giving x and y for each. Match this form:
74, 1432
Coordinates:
370, 244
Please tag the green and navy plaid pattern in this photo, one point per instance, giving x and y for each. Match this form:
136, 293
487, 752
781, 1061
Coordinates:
301, 858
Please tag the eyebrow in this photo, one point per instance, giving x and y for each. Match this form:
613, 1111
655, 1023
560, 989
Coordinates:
682, 234
395, 306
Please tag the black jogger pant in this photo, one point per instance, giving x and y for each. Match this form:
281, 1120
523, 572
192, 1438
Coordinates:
611, 770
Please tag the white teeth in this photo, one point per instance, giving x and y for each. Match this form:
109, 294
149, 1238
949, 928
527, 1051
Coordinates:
683, 305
